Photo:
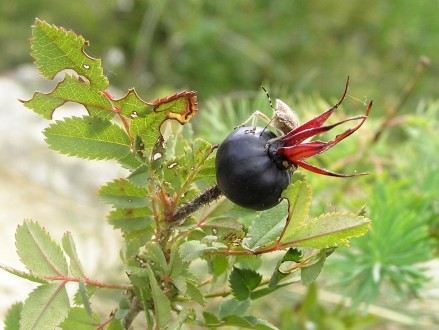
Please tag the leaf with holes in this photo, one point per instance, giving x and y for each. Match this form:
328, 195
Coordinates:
71, 90
88, 137
55, 49
38, 252
147, 117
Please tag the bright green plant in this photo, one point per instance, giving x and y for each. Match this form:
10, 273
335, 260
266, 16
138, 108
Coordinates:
169, 211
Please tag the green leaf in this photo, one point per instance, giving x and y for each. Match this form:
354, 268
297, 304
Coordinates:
25, 275
132, 222
88, 137
115, 325
70, 249
292, 254
308, 274
154, 253
299, 196
84, 297
162, 304
71, 90
267, 226
45, 308
79, 319
237, 321
54, 49
243, 282
191, 250
12, 319
38, 252
330, 230
211, 319
123, 194
233, 307
194, 293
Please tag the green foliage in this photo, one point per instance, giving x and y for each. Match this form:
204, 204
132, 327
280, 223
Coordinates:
171, 218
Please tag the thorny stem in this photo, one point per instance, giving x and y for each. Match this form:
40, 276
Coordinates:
190, 207
408, 89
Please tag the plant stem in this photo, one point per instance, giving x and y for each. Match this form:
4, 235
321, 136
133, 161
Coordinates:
408, 89
135, 308
190, 207
89, 282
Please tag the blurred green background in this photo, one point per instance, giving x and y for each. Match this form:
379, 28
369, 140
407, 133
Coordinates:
220, 47
302, 51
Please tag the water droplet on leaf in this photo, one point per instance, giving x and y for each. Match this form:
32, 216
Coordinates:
156, 156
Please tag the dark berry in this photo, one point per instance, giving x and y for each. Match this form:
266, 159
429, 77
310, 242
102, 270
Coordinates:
245, 172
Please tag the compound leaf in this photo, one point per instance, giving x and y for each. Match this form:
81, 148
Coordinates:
330, 230
45, 308
88, 137
38, 252
12, 319
55, 49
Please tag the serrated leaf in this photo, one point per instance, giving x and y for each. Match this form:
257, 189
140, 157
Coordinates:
243, 282
123, 194
12, 319
330, 230
70, 249
233, 307
79, 319
88, 137
45, 308
267, 226
162, 304
38, 252
55, 49
131, 222
84, 297
299, 196
70, 89
191, 250
25, 275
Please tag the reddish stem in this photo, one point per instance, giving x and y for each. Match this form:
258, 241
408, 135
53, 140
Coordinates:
89, 282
